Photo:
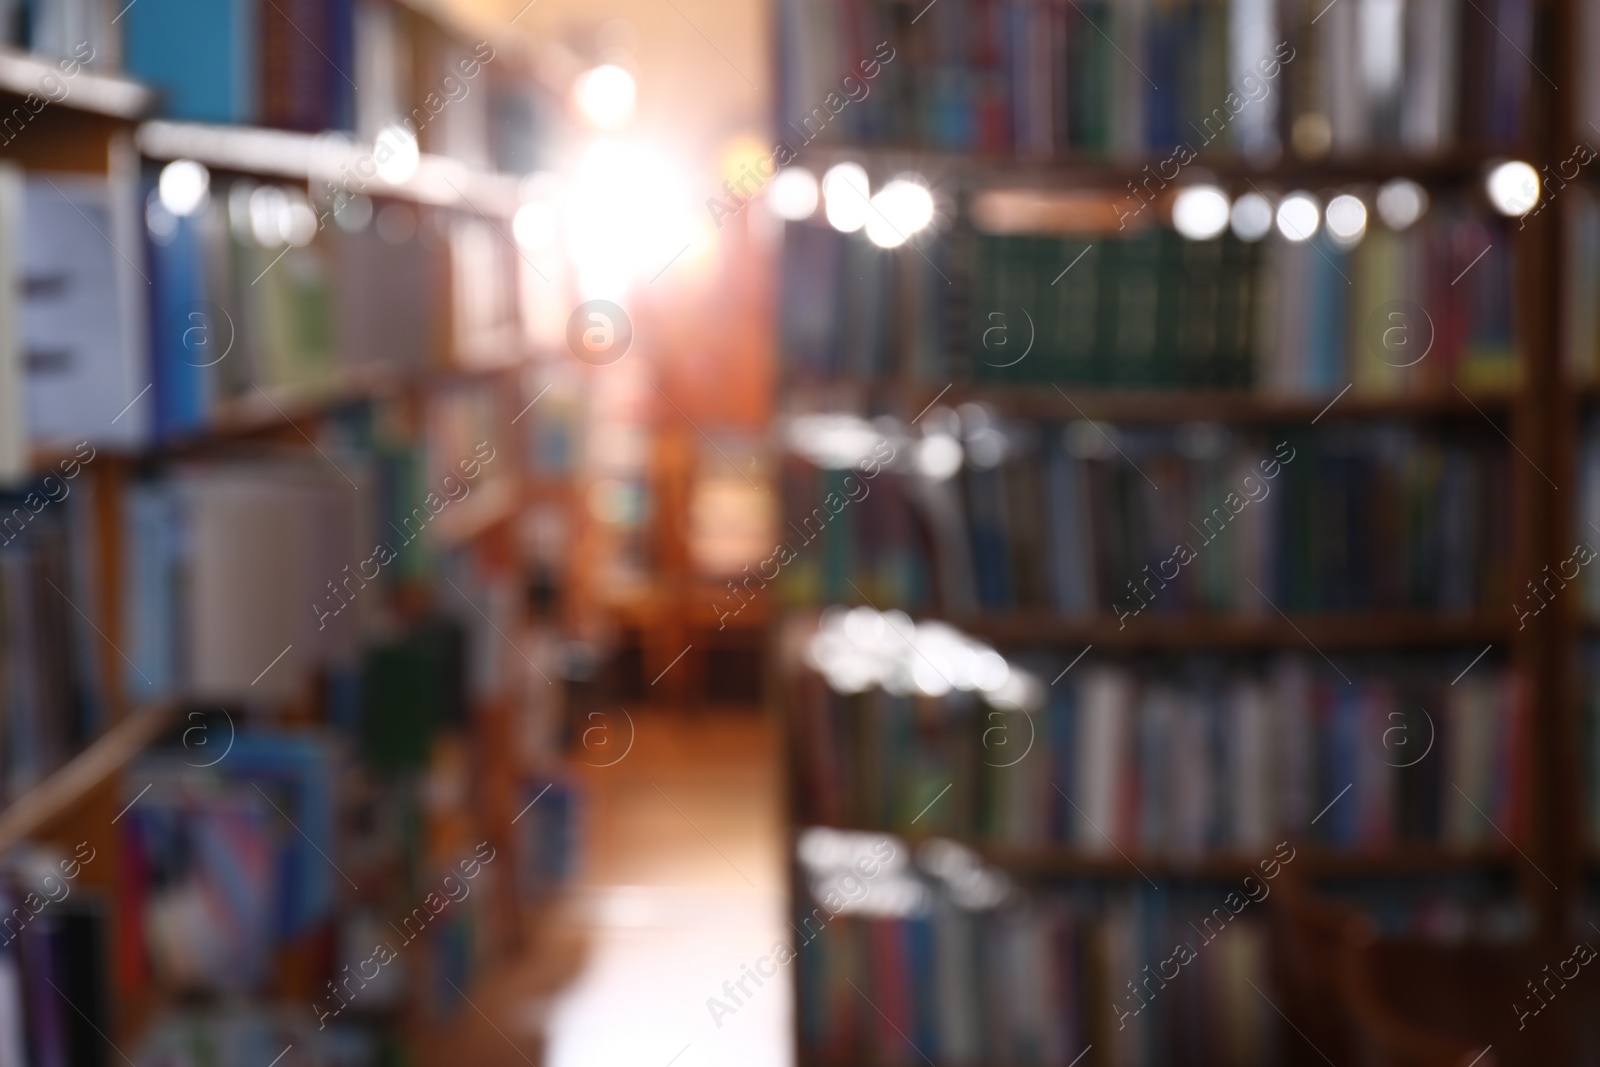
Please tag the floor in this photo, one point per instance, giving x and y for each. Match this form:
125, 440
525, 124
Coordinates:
680, 888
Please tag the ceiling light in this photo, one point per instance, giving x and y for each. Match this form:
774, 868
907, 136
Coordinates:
794, 194
900, 209
606, 96
1298, 216
1346, 216
1252, 217
847, 196
1401, 202
1514, 188
396, 154
1200, 212
184, 187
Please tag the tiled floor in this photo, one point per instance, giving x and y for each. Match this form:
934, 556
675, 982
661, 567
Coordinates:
680, 886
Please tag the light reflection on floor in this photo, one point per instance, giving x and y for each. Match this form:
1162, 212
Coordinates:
681, 886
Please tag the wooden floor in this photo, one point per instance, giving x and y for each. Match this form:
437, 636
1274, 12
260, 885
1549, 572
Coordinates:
680, 884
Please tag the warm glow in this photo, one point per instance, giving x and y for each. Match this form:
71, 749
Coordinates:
535, 227
794, 194
605, 95
626, 217
900, 209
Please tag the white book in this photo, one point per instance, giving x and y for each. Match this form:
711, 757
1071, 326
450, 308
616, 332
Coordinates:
13, 406
1253, 35
82, 275
1107, 723
1427, 115
12, 1050
264, 546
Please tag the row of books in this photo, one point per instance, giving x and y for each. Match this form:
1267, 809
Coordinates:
232, 311
1037, 980
296, 65
1407, 312
1100, 521
1138, 79
73, 30
51, 681
1152, 759
222, 877
315, 545
53, 988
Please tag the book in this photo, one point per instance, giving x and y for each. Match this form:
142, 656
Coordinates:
202, 55
82, 311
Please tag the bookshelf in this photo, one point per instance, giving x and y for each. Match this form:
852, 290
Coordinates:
972, 107
102, 760
407, 732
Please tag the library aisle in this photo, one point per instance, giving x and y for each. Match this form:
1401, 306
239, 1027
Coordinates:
799, 533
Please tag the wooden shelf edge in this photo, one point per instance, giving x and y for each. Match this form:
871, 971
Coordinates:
106, 755
1317, 862
1454, 165
1060, 862
1156, 404
1357, 630
21, 73
1178, 405
237, 420
335, 158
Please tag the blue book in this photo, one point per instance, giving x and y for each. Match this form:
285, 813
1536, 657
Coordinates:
178, 310
150, 604
1343, 747
297, 774
1327, 316
924, 993
1062, 734
201, 55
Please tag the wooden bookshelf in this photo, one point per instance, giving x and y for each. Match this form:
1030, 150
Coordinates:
98, 128
1536, 419
1407, 860
1459, 166
87, 91
1057, 402
1236, 406
58, 794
